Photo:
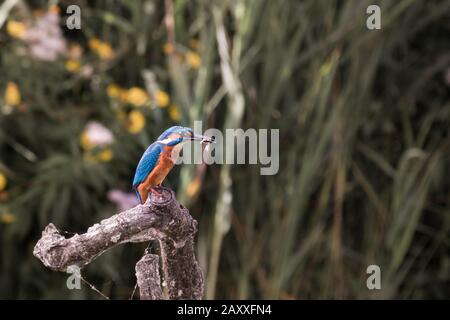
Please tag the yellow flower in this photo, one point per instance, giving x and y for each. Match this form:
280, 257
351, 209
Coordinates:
193, 188
168, 48
85, 141
3, 182
137, 96
16, 29
105, 155
12, 94
113, 90
94, 44
194, 44
162, 98
101, 48
193, 59
174, 113
72, 65
136, 121
105, 51
7, 218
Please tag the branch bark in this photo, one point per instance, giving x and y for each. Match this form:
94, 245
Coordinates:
161, 218
148, 280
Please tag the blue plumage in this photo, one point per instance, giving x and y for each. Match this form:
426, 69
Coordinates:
174, 129
157, 160
147, 163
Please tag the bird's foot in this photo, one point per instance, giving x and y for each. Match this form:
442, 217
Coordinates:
155, 191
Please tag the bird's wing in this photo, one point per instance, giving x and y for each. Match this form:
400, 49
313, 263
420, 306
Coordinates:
147, 163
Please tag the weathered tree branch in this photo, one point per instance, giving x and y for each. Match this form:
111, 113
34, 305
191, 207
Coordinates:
161, 218
147, 274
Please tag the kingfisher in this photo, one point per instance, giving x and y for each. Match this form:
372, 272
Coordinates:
160, 158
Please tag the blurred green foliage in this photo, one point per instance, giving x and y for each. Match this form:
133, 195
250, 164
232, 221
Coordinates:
364, 140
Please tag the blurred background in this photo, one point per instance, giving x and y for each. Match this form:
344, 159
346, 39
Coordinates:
364, 140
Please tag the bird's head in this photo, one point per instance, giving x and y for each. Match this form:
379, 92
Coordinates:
177, 134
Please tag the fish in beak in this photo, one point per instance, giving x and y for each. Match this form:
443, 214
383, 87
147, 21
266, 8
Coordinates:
203, 139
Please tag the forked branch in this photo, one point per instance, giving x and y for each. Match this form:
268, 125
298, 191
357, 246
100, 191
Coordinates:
161, 218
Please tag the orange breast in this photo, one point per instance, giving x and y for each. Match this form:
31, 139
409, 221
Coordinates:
161, 170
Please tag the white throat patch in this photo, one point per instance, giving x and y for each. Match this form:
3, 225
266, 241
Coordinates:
165, 141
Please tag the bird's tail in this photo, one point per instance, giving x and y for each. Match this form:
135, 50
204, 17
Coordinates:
138, 194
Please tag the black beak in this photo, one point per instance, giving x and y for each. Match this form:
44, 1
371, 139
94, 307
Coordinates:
197, 137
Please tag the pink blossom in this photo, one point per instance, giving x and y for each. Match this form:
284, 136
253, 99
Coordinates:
98, 134
44, 38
